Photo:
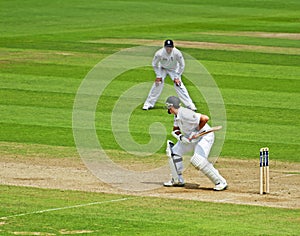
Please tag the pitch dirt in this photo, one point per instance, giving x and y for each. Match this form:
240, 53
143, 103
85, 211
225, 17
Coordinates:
291, 36
242, 177
203, 45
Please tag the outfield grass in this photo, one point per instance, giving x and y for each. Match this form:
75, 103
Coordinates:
44, 63
51, 211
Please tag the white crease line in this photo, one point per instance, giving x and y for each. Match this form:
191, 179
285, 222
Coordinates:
63, 208
225, 200
284, 176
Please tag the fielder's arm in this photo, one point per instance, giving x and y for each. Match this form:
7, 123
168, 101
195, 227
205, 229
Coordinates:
155, 65
181, 63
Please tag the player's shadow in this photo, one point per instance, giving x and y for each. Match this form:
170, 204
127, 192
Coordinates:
186, 186
196, 186
153, 183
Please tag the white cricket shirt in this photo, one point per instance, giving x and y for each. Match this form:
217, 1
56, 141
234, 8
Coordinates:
173, 61
188, 121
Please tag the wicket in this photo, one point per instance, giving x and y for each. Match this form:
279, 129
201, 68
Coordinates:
264, 180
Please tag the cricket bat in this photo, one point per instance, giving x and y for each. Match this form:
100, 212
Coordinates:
213, 129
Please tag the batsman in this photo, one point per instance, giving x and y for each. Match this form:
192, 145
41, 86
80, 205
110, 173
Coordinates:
187, 125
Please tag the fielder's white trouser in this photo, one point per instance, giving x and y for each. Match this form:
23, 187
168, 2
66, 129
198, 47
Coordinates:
199, 159
181, 91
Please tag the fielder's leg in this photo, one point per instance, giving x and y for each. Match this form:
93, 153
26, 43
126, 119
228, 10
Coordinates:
176, 167
155, 92
181, 90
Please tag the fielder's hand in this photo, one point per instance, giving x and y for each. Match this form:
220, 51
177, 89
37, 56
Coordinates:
177, 82
158, 81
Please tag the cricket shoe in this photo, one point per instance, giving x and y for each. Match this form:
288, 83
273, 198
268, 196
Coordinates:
172, 183
147, 107
221, 186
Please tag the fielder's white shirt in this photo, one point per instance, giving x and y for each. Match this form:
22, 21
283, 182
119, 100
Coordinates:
188, 121
173, 61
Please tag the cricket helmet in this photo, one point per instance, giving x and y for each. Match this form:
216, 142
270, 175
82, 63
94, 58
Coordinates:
173, 101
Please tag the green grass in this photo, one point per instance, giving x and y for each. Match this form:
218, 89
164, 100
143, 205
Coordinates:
44, 63
52, 211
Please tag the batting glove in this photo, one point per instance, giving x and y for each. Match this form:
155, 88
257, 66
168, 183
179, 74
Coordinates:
193, 140
180, 137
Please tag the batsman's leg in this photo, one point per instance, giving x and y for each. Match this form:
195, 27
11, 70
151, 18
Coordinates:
208, 169
176, 167
199, 160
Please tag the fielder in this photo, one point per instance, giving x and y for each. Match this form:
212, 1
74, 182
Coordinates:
186, 124
168, 61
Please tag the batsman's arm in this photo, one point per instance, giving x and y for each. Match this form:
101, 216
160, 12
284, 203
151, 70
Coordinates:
176, 130
203, 120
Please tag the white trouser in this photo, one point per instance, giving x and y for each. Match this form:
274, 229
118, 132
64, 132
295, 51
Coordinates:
180, 90
202, 147
199, 159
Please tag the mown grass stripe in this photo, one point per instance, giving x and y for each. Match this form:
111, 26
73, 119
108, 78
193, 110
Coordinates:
252, 70
55, 117
250, 149
257, 83
258, 114
243, 57
60, 57
36, 98
57, 136
45, 69
36, 83
267, 99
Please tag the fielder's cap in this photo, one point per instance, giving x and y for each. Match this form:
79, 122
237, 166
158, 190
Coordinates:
173, 102
169, 43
